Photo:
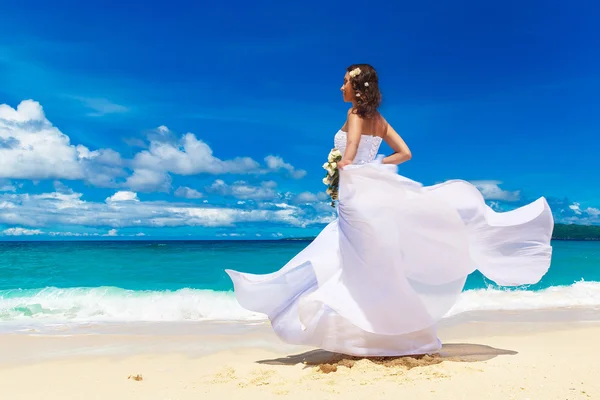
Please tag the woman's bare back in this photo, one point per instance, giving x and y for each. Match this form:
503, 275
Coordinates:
376, 126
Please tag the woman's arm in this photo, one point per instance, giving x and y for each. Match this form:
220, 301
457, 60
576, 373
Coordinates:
401, 151
354, 126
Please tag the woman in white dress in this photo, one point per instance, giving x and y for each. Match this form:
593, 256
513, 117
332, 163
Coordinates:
377, 279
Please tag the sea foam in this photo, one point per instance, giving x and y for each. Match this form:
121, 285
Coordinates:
111, 304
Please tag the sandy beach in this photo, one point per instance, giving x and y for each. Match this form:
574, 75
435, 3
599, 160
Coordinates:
527, 355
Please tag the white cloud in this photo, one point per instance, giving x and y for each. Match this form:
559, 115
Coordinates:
134, 142
6, 205
8, 188
578, 215
59, 200
283, 205
188, 156
576, 209
145, 180
214, 217
112, 232
276, 163
188, 193
73, 234
232, 234
122, 196
17, 231
61, 187
21, 232
593, 211
102, 156
26, 111
491, 191
308, 197
52, 209
35, 149
32, 148
40, 151
101, 106
243, 190
269, 184
495, 205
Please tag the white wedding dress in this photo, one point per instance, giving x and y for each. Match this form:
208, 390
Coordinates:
377, 279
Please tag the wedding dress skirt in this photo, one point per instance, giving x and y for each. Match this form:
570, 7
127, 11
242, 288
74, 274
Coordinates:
377, 279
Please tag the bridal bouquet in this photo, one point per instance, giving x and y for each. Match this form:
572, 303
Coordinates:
332, 178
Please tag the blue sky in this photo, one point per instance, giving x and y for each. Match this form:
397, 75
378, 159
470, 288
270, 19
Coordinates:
189, 119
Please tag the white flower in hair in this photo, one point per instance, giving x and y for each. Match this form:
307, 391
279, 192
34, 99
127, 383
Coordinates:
355, 72
367, 84
357, 94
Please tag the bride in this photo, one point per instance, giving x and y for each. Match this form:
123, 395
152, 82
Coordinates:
377, 279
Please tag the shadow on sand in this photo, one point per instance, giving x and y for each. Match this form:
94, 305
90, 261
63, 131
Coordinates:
457, 352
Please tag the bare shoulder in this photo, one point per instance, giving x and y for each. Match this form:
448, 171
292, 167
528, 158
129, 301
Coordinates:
346, 122
355, 122
387, 128
353, 117
393, 139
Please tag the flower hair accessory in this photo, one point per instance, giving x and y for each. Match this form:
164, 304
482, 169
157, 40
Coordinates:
367, 84
354, 73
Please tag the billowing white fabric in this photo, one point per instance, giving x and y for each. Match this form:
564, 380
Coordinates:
377, 279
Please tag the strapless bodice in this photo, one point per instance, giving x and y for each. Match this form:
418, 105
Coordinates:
367, 148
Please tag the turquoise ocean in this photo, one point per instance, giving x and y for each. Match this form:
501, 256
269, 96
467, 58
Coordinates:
50, 284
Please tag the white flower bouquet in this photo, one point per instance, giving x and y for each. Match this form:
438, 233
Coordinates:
332, 178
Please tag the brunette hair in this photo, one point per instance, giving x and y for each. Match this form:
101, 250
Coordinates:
366, 87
